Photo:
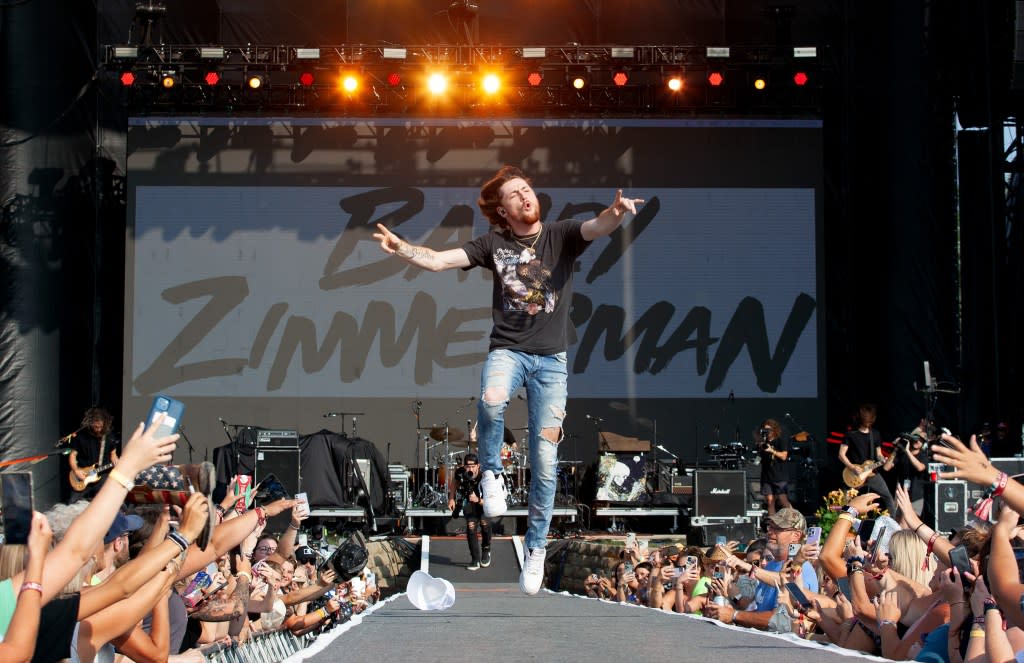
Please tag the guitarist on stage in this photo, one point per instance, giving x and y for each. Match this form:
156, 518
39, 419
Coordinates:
95, 446
465, 497
864, 445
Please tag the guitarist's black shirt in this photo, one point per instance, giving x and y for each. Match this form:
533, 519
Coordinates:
88, 448
860, 447
774, 470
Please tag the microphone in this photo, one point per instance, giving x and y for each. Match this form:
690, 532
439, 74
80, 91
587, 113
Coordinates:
732, 396
592, 418
330, 415
419, 403
222, 422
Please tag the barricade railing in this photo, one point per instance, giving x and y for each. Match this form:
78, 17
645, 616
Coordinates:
265, 647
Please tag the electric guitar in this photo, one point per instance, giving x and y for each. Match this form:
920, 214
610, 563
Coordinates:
853, 478
93, 473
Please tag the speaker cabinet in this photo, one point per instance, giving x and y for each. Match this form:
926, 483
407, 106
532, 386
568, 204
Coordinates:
720, 493
945, 505
284, 463
1012, 466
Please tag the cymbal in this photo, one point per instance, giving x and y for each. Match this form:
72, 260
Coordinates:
454, 434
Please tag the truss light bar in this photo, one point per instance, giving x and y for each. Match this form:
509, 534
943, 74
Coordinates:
307, 53
535, 52
805, 52
622, 52
393, 54
211, 52
126, 52
717, 52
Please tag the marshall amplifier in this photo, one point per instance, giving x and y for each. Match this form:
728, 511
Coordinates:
720, 493
277, 439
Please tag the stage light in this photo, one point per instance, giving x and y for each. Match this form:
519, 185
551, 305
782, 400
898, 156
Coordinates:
394, 79
306, 79
437, 83
127, 78
760, 83
307, 53
675, 83
255, 81
800, 78
211, 78
579, 82
168, 80
534, 79
349, 83
211, 52
715, 78
491, 83
620, 78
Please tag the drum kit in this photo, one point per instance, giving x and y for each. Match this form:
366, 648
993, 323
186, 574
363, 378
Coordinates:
729, 456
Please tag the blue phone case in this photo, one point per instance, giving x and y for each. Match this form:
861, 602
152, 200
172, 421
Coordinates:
172, 409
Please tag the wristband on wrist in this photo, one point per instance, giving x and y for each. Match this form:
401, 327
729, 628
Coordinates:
261, 516
928, 553
847, 517
918, 527
1000, 484
122, 479
979, 621
852, 511
179, 539
977, 633
33, 586
294, 526
885, 622
244, 574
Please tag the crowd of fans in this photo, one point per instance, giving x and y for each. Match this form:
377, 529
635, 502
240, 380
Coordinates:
100, 581
912, 595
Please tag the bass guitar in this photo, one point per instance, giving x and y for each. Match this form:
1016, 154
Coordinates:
93, 474
864, 471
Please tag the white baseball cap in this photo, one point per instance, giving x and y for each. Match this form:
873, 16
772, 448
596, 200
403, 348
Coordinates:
429, 593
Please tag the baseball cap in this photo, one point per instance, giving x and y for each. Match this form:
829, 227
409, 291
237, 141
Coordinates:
123, 524
305, 554
789, 518
429, 593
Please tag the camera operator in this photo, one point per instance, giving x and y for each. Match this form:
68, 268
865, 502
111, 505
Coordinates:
465, 496
773, 449
911, 466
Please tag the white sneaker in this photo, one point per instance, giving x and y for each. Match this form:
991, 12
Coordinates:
532, 575
494, 494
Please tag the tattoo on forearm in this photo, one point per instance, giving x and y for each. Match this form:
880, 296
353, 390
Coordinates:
412, 253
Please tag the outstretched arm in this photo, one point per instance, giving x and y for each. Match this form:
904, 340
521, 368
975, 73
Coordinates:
611, 218
421, 256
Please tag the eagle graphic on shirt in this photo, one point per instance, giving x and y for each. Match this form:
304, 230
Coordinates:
525, 282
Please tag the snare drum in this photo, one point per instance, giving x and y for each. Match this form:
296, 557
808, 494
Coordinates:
508, 456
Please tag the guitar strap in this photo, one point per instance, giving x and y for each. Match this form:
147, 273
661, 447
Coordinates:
103, 446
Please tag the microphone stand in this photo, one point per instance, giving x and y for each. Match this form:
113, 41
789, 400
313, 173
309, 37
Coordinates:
66, 440
181, 429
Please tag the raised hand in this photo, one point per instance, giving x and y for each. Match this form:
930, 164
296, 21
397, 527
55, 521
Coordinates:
971, 463
144, 449
887, 607
622, 205
39, 536
864, 503
389, 241
197, 513
279, 506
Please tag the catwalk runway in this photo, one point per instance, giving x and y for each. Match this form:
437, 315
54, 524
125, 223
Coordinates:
492, 621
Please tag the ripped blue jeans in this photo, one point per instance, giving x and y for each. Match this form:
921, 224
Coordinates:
545, 377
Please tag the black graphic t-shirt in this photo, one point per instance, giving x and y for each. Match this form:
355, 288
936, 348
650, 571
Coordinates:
532, 289
774, 470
